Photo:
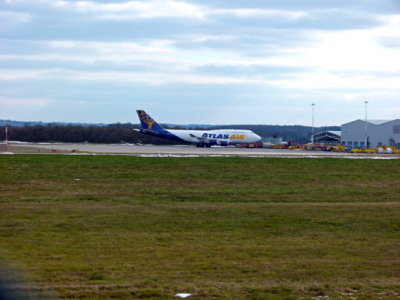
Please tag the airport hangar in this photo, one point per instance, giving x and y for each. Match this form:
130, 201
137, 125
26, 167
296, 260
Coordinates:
378, 132
352, 134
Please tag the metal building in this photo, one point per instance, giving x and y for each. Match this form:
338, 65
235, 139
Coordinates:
377, 133
327, 137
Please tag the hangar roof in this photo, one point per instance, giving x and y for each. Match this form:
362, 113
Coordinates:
378, 122
327, 137
375, 122
335, 132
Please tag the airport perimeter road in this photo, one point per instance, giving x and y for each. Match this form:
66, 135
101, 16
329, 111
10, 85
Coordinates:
152, 150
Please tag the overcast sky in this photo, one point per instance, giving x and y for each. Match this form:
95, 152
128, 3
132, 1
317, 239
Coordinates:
215, 62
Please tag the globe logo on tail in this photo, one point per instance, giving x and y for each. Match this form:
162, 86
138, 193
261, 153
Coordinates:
146, 119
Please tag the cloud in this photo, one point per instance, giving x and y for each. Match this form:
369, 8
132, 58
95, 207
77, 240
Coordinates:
10, 16
388, 34
324, 59
323, 80
11, 74
26, 102
123, 10
155, 54
335, 53
330, 54
149, 78
131, 10
355, 49
257, 12
299, 81
137, 9
154, 47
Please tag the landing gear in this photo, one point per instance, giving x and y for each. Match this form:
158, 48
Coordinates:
203, 145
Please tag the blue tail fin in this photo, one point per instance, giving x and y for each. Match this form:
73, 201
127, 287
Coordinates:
148, 122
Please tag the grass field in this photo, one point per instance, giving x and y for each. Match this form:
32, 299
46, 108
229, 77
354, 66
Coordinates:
224, 228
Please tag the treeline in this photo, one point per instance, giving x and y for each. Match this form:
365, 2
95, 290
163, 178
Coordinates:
298, 133
124, 133
113, 133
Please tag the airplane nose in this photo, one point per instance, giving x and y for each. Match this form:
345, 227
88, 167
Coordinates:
257, 137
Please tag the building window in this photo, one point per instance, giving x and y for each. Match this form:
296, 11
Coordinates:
380, 144
396, 129
362, 144
344, 143
355, 144
350, 144
398, 146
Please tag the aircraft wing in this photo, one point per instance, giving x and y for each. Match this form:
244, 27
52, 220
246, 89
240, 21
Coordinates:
200, 139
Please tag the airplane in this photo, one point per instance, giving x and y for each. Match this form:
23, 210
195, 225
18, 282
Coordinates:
200, 138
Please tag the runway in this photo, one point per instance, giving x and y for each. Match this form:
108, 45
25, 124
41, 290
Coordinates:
186, 151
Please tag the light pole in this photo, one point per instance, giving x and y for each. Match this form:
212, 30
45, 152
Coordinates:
312, 124
366, 126
6, 133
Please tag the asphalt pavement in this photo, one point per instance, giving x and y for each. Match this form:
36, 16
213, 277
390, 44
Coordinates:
153, 150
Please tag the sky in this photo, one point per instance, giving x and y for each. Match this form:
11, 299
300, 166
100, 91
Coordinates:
200, 62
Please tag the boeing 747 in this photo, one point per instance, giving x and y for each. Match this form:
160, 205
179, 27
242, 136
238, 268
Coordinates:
201, 138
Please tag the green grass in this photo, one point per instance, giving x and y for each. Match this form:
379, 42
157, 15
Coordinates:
225, 228
133, 179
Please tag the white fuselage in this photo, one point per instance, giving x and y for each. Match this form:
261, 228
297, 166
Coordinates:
217, 137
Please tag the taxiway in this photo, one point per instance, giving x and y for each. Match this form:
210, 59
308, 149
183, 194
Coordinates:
153, 150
